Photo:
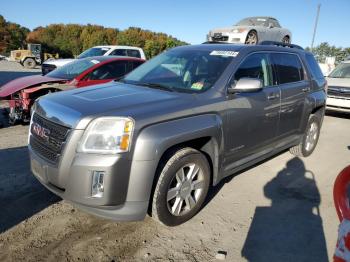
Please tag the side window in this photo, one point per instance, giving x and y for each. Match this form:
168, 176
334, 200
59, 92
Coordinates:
275, 23
119, 52
314, 67
109, 71
133, 53
288, 68
255, 66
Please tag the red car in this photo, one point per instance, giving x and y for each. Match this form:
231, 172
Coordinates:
22, 92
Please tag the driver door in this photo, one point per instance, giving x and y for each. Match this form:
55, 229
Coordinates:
251, 118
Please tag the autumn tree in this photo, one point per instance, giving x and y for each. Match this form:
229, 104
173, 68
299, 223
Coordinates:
12, 36
71, 39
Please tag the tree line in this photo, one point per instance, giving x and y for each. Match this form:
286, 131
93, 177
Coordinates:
12, 36
69, 40
324, 50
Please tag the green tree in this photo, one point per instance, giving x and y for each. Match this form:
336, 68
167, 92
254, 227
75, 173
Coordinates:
324, 50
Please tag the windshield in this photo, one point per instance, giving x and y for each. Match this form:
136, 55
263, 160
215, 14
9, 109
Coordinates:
72, 69
253, 21
95, 51
182, 70
341, 71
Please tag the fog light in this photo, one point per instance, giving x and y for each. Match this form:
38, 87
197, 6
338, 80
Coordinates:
97, 187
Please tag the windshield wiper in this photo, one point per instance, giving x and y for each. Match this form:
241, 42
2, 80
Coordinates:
156, 85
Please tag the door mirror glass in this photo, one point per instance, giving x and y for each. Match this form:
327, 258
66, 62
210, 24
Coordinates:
246, 85
271, 25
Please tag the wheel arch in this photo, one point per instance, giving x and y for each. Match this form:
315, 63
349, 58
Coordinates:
157, 143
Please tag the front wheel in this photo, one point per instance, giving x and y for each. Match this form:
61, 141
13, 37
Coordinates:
29, 63
181, 188
252, 38
310, 138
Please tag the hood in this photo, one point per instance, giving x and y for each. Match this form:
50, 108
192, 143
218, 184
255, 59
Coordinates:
340, 82
229, 29
25, 82
58, 62
111, 99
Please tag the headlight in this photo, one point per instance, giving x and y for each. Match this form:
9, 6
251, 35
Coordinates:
107, 135
238, 30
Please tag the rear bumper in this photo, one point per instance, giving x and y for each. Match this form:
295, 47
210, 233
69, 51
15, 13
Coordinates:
338, 104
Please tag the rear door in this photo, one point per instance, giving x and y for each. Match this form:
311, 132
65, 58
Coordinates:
251, 119
292, 80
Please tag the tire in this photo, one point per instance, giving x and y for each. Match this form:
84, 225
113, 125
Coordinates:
252, 38
175, 192
310, 138
29, 63
286, 40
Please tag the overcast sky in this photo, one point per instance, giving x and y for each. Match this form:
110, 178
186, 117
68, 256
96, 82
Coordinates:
189, 20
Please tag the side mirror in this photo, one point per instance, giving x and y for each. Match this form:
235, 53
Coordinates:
270, 25
246, 85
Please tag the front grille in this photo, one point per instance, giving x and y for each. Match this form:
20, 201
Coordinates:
47, 68
338, 92
47, 138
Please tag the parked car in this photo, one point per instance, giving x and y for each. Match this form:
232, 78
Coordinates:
105, 50
22, 92
339, 88
158, 139
252, 30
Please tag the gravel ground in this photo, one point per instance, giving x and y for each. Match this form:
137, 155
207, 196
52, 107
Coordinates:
279, 210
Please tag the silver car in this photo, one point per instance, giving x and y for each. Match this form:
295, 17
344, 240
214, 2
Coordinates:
339, 88
252, 30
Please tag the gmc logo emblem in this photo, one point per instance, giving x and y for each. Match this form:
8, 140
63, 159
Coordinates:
40, 131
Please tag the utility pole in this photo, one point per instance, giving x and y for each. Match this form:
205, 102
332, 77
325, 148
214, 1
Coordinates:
315, 27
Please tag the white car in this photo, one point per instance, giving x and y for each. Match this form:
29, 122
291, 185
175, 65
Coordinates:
251, 30
338, 94
105, 50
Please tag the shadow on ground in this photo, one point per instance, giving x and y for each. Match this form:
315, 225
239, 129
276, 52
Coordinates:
21, 195
291, 228
6, 76
338, 114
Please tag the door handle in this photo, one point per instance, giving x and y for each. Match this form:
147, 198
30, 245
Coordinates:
273, 96
306, 89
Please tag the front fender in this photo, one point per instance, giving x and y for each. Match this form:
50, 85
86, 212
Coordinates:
154, 140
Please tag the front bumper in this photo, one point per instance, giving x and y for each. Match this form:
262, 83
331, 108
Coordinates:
339, 104
71, 179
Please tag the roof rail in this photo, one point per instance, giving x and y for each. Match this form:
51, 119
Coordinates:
215, 42
280, 44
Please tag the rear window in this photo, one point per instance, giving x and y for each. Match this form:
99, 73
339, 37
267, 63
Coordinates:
314, 67
288, 68
134, 53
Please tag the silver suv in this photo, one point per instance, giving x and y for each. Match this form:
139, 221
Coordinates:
161, 137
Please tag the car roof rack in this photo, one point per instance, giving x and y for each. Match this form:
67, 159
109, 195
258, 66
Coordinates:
281, 44
215, 42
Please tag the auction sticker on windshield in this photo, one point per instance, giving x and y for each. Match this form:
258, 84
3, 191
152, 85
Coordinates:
224, 53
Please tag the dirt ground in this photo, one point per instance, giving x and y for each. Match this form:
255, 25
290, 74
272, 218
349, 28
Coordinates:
279, 210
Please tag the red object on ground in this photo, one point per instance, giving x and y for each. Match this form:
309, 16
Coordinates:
342, 205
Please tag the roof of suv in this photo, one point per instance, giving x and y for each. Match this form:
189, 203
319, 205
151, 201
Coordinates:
240, 47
